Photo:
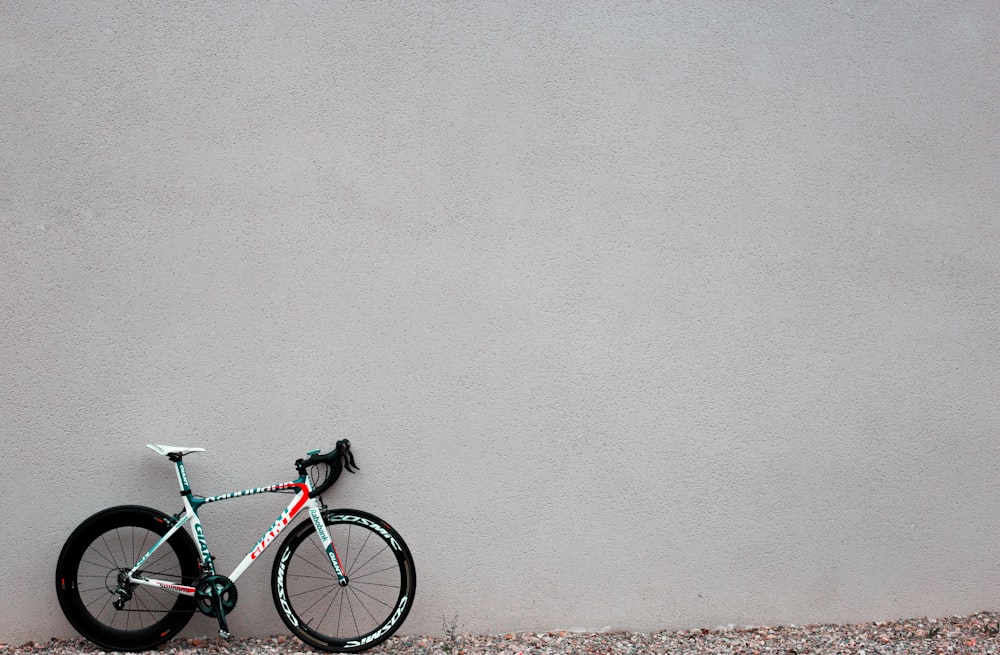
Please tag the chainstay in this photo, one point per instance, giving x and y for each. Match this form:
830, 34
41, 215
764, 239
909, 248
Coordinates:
160, 611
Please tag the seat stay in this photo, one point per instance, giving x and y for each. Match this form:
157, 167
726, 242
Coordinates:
133, 576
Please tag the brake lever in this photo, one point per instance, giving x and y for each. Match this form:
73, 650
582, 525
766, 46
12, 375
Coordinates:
348, 457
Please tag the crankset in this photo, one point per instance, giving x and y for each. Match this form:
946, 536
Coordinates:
215, 593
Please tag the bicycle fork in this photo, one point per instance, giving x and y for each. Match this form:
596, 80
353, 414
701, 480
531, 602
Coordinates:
316, 514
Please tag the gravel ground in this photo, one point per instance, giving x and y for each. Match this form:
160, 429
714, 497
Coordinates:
978, 633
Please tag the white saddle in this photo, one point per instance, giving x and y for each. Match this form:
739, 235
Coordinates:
167, 451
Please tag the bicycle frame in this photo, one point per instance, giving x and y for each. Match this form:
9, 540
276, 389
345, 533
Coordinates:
192, 503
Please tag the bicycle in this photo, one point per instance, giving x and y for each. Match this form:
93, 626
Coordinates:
129, 578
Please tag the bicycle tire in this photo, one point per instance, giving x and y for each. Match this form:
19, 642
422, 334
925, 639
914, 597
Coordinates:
105, 545
355, 617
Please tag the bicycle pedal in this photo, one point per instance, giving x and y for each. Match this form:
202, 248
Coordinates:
224, 634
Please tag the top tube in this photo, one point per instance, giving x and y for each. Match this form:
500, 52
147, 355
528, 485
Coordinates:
301, 484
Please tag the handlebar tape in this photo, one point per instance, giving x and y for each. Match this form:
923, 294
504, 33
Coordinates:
337, 460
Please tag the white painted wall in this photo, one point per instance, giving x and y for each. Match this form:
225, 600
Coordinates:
641, 315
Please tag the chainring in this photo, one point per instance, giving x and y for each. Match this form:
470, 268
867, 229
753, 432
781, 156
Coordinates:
207, 586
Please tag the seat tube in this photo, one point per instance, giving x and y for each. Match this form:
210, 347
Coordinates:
191, 505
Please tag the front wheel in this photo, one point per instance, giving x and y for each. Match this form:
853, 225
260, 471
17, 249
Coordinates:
95, 594
367, 610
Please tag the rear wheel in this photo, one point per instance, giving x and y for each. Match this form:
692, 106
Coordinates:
367, 610
94, 594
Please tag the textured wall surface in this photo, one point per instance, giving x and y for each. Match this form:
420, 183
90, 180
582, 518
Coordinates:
644, 315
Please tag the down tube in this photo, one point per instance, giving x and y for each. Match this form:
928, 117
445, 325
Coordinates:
301, 500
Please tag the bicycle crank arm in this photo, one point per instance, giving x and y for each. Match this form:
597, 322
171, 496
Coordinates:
221, 615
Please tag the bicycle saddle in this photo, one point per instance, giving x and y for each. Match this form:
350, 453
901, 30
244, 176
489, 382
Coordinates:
167, 451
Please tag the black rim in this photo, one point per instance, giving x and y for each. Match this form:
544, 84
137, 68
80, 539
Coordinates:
92, 569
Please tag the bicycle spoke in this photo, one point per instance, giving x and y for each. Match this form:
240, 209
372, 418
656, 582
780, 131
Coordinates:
106, 555
390, 567
361, 602
361, 550
318, 600
359, 567
323, 567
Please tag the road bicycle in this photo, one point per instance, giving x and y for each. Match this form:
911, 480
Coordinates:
129, 578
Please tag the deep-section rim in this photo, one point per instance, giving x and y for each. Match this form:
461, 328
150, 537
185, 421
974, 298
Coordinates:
78, 545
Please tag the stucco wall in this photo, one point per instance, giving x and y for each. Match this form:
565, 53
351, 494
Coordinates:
642, 315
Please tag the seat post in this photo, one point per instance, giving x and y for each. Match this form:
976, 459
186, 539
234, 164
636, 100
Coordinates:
182, 477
